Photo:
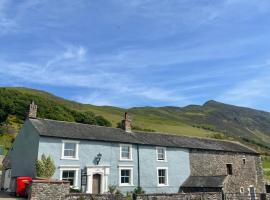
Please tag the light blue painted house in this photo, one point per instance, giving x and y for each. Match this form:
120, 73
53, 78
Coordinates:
94, 157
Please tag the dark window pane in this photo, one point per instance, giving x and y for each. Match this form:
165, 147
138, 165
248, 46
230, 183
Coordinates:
65, 174
229, 169
71, 173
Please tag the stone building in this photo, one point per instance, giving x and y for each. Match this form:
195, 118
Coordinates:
230, 172
94, 157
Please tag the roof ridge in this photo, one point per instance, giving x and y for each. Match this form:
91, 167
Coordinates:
74, 123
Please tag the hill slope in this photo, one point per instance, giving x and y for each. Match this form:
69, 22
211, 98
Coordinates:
213, 119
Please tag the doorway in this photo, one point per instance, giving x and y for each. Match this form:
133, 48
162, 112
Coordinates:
96, 186
252, 193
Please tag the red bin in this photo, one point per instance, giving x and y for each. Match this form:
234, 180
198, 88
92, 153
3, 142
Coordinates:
22, 183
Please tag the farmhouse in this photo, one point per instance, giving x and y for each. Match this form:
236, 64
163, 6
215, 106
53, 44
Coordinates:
93, 157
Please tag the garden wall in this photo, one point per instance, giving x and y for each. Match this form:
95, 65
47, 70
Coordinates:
48, 190
182, 196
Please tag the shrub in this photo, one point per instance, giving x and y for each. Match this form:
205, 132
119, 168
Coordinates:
138, 190
45, 167
112, 189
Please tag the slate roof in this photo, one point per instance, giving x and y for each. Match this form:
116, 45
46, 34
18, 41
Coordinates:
71, 130
204, 182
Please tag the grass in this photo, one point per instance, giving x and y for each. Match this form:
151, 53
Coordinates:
266, 167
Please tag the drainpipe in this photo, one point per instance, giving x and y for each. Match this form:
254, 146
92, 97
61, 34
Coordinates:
138, 166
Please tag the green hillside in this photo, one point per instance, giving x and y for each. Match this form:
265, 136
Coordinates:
213, 119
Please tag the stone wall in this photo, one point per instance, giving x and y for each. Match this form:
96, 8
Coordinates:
181, 196
245, 173
84, 196
48, 190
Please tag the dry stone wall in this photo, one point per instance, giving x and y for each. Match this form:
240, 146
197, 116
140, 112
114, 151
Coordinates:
48, 190
181, 196
246, 168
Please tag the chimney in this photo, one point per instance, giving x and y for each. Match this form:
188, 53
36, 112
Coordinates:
126, 123
32, 110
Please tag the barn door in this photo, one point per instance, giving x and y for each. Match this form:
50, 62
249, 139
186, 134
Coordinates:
96, 184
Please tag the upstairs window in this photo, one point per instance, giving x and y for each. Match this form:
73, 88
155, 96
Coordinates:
70, 150
161, 153
125, 152
229, 169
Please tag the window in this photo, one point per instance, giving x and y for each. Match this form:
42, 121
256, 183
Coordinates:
229, 169
241, 190
161, 153
126, 176
125, 152
162, 175
244, 160
69, 175
70, 150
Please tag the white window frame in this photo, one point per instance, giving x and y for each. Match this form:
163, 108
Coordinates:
166, 177
71, 168
63, 157
131, 176
254, 191
130, 156
242, 188
165, 154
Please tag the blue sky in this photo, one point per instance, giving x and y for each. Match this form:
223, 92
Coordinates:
139, 52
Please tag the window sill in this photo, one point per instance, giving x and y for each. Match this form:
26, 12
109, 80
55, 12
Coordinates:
164, 161
163, 185
127, 160
127, 185
66, 158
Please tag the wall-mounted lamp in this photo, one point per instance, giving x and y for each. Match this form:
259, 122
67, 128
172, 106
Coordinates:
98, 158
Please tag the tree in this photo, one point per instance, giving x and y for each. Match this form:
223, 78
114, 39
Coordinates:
45, 167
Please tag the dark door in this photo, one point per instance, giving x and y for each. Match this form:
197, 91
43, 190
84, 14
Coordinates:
252, 193
96, 184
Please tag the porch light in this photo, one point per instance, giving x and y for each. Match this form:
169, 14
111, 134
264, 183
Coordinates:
98, 158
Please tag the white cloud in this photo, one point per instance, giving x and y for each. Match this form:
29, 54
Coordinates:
71, 53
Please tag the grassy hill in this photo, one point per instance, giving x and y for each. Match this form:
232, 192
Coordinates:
213, 119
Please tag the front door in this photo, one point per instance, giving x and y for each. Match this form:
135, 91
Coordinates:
96, 184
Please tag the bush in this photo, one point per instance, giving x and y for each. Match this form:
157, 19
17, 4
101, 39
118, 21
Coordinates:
138, 190
114, 190
45, 167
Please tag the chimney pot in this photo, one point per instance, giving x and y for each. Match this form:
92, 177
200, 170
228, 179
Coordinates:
32, 110
126, 123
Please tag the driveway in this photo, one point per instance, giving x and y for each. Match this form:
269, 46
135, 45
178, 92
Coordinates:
4, 195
